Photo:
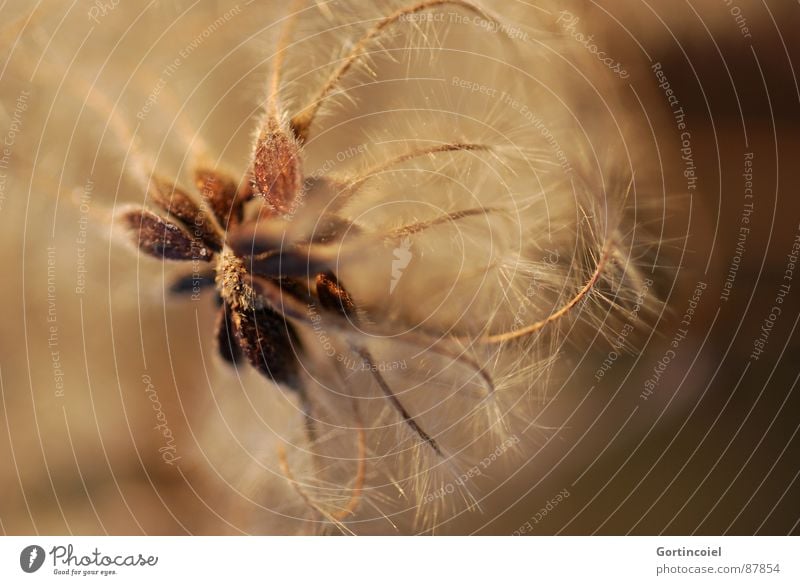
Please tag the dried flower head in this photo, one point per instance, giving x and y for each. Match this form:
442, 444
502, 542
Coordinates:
412, 304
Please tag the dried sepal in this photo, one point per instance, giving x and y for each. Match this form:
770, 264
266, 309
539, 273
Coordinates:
222, 196
181, 205
162, 238
276, 166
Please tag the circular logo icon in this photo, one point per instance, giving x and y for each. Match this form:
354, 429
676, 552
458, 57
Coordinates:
31, 558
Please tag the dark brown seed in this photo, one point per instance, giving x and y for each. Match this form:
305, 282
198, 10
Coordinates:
163, 239
276, 167
270, 344
221, 194
180, 204
296, 289
333, 296
293, 263
255, 238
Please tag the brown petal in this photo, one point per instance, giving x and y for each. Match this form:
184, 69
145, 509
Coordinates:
276, 167
180, 204
221, 194
269, 343
162, 238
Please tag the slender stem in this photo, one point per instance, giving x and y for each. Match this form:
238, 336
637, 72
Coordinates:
280, 54
349, 187
354, 184
358, 483
395, 402
303, 120
561, 312
415, 228
361, 471
605, 256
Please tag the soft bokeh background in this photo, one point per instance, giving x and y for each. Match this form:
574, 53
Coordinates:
713, 450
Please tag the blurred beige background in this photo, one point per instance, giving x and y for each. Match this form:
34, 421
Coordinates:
84, 334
